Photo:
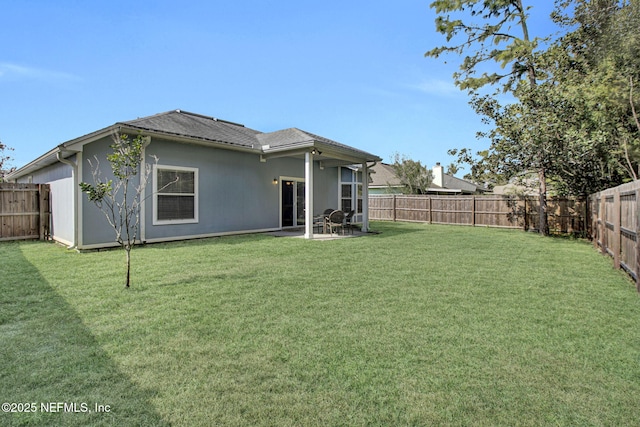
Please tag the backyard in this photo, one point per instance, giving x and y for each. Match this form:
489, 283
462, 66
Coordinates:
418, 325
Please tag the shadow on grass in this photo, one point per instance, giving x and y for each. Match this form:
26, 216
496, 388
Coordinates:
383, 229
53, 369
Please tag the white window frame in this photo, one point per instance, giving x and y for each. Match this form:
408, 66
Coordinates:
156, 193
355, 185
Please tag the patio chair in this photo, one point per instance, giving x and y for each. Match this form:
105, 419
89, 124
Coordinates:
319, 221
347, 221
335, 220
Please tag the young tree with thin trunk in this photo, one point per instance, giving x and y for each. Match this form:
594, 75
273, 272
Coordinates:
120, 198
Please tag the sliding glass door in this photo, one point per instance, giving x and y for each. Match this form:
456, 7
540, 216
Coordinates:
292, 195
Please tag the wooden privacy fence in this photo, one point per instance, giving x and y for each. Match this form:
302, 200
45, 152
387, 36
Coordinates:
614, 226
565, 215
24, 211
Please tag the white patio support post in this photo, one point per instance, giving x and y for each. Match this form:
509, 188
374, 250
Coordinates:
365, 197
308, 195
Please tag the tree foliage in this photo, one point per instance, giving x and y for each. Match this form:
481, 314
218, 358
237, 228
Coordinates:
120, 198
483, 32
413, 175
4, 160
602, 68
495, 32
569, 144
582, 115
574, 120
452, 169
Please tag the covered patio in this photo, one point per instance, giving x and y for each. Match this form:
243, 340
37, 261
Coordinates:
319, 152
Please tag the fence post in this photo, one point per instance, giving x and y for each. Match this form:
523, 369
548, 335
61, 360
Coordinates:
43, 204
586, 230
395, 215
593, 218
616, 229
637, 248
603, 223
473, 210
597, 213
430, 210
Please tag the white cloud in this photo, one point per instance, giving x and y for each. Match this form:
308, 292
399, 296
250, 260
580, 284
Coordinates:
20, 72
439, 88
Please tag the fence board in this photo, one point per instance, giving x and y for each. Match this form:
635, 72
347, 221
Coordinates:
24, 211
564, 215
615, 230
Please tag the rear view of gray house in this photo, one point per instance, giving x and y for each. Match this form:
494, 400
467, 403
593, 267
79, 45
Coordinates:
233, 180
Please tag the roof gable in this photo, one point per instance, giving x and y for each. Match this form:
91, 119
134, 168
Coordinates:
293, 138
285, 137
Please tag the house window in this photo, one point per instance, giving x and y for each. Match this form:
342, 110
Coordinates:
351, 192
175, 195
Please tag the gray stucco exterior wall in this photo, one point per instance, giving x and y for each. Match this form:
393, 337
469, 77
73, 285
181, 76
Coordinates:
235, 191
92, 224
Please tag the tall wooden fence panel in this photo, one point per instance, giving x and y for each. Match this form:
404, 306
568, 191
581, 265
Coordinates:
24, 211
615, 226
564, 215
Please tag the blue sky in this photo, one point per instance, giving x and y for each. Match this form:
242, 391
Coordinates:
352, 71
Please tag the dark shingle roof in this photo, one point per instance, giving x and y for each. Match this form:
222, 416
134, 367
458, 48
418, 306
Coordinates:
285, 137
294, 136
183, 123
191, 125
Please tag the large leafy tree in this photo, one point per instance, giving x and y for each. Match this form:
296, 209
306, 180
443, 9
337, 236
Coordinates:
602, 68
495, 32
575, 119
583, 111
570, 145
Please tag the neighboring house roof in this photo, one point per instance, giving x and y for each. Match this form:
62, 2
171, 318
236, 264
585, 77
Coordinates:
384, 176
451, 182
196, 128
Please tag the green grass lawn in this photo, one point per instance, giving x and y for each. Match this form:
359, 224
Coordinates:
419, 325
